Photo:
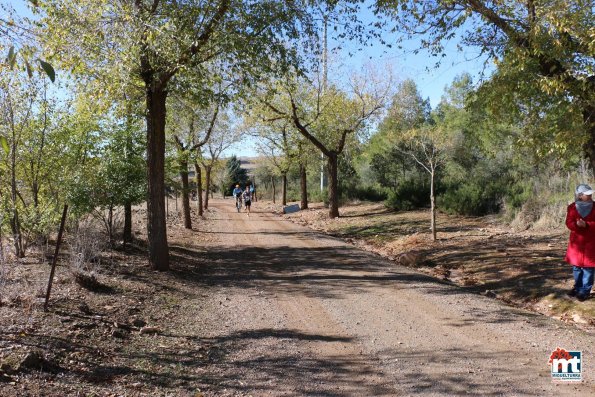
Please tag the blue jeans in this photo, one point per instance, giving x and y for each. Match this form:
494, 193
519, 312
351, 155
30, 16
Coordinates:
583, 280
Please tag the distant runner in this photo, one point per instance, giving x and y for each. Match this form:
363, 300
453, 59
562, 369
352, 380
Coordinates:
253, 192
237, 194
247, 199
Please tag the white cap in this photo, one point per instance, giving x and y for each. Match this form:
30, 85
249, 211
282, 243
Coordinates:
584, 189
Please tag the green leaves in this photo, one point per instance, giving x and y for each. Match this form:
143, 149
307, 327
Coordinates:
48, 69
11, 60
4, 143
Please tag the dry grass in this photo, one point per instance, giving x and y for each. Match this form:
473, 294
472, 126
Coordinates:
86, 245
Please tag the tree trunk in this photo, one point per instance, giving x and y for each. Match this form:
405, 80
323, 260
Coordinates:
127, 235
333, 185
16, 233
284, 189
35, 193
208, 169
589, 120
15, 223
198, 172
273, 185
185, 194
303, 187
110, 224
156, 224
432, 205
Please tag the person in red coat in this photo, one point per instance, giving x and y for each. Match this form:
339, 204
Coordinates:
580, 219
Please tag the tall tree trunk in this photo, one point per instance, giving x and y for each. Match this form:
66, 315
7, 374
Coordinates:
35, 193
198, 172
110, 224
127, 235
208, 169
589, 120
273, 184
185, 194
333, 185
303, 187
284, 189
16, 233
433, 205
15, 222
156, 224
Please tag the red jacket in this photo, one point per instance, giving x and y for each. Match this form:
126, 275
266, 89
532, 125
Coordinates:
581, 247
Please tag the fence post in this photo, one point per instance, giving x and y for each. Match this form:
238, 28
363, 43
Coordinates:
55, 258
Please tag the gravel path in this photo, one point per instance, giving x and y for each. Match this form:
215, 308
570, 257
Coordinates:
297, 313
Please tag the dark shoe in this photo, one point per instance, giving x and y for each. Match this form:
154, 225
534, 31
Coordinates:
571, 293
582, 298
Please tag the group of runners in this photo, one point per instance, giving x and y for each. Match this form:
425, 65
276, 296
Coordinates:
243, 197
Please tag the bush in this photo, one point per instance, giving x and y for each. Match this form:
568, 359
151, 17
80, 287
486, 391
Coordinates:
316, 195
366, 193
86, 245
472, 198
409, 194
397, 203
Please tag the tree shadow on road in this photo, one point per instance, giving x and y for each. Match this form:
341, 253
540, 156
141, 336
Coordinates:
327, 272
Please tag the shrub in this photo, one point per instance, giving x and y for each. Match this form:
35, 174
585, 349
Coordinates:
472, 198
397, 203
316, 195
367, 193
86, 245
409, 194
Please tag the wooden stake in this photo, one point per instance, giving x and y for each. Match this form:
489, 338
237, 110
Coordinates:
55, 258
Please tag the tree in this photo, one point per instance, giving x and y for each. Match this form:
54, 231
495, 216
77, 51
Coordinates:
112, 175
548, 44
391, 168
235, 173
21, 43
327, 116
545, 124
152, 42
280, 146
408, 110
124, 169
409, 131
428, 146
18, 101
224, 135
52, 141
302, 155
193, 130
266, 175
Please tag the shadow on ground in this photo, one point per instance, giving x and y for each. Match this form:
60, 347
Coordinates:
185, 362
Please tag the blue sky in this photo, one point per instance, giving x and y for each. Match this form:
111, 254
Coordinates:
406, 64
431, 80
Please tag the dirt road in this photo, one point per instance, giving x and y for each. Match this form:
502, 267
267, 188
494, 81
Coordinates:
300, 314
